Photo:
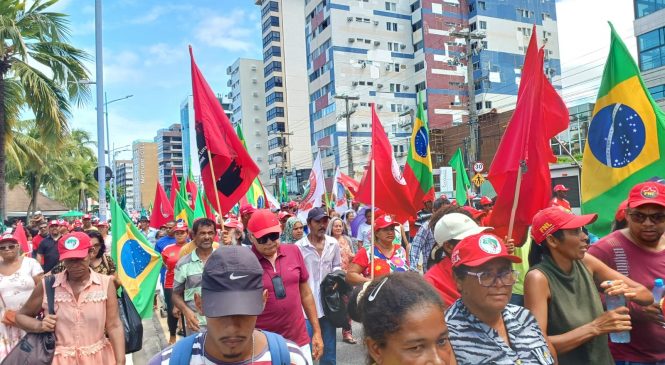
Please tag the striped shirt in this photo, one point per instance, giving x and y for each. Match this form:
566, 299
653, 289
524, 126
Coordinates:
199, 357
474, 342
187, 277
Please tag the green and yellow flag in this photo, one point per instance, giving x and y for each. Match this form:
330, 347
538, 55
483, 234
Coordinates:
283, 191
418, 168
182, 210
626, 140
462, 183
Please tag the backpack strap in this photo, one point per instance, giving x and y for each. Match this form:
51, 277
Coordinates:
181, 353
50, 293
279, 351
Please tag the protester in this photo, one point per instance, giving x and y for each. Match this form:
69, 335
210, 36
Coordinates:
321, 254
37, 238
424, 214
348, 218
283, 216
47, 254
86, 323
638, 252
336, 229
365, 229
559, 199
235, 231
144, 227
187, 275
18, 275
87, 223
620, 217
403, 321
389, 257
285, 277
169, 239
423, 242
170, 256
63, 227
294, 230
448, 232
245, 211
484, 327
103, 228
231, 307
561, 289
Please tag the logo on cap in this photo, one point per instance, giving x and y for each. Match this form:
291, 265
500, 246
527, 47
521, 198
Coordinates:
72, 243
180, 225
7, 236
455, 257
489, 244
546, 226
649, 192
387, 219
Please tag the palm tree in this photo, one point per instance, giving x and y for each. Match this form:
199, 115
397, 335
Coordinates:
32, 40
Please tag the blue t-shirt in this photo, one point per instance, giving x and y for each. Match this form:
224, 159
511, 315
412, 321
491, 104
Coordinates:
159, 247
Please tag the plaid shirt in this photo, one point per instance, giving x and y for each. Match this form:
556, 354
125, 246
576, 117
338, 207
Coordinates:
422, 243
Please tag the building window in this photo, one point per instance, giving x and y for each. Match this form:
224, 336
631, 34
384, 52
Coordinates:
273, 21
657, 92
479, 105
488, 105
481, 5
482, 24
275, 51
391, 6
395, 88
391, 26
276, 142
274, 66
415, 5
417, 46
472, 27
651, 47
419, 66
271, 37
276, 127
275, 81
524, 13
275, 112
269, 6
417, 25
646, 7
274, 97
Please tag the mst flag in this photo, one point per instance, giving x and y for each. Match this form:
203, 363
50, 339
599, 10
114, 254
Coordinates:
418, 168
626, 140
233, 168
462, 182
162, 211
338, 194
314, 193
137, 262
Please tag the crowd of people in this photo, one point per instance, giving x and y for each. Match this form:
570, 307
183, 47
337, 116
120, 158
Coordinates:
265, 286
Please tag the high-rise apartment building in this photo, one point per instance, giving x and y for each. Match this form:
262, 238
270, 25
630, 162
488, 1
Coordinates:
124, 181
189, 148
286, 87
650, 33
169, 154
144, 157
248, 104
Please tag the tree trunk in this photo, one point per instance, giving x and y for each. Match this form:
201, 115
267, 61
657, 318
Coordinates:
3, 136
33, 194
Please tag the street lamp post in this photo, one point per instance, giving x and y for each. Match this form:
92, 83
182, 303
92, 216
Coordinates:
99, 70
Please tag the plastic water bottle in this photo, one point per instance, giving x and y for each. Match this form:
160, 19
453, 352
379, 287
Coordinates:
614, 302
658, 290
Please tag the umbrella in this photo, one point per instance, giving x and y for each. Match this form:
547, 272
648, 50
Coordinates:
72, 213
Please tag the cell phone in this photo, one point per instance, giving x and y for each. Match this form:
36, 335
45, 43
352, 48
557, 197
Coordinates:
278, 286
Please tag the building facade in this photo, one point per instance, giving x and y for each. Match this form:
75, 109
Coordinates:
248, 104
144, 158
650, 33
169, 154
124, 181
286, 88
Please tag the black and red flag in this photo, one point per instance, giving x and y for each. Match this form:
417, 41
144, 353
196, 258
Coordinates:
227, 170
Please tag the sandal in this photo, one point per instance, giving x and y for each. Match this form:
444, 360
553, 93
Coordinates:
350, 340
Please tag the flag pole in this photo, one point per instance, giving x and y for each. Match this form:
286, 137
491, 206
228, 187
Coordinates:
372, 207
214, 179
516, 198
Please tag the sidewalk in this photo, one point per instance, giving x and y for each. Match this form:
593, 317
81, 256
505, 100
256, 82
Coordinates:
154, 341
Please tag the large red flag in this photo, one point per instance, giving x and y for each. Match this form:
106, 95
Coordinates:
391, 192
175, 187
349, 183
162, 210
234, 169
21, 237
540, 114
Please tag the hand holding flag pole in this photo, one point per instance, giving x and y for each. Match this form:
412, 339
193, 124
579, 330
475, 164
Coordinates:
516, 198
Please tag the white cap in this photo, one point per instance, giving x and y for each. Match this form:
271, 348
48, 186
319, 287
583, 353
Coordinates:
456, 226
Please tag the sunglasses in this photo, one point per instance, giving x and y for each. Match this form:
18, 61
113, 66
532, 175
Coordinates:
638, 217
7, 247
270, 236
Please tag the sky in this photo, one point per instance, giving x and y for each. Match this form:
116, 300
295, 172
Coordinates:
146, 54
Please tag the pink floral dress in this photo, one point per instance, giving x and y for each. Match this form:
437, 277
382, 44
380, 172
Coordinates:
345, 250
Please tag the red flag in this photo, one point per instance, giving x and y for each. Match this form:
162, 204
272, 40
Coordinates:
175, 187
389, 184
233, 168
540, 114
162, 210
21, 237
192, 190
349, 183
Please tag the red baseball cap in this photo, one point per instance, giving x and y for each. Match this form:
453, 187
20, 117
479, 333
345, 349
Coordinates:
552, 219
262, 222
246, 209
102, 224
560, 187
63, 223
480, 248
647, 193
485, 201
383, 221
7, 237
232, 223
293, 204
283, 214
180, 227
475, 213
53, 223
621, 211
74, 245
87, 216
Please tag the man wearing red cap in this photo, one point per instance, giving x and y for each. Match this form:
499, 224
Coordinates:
47, 253
87, 223
245, 212
559, 199
638, 252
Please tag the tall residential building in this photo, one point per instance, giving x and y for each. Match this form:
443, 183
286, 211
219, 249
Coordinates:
248, 103
124, 180
286, 87
169, 154
650, 33
499, 35
144, 157
189, 148
369, 55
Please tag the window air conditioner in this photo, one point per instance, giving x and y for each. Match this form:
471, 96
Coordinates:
349, 19
388, 67
376, 22
377, 43
258, 145
355, 83
351, 40
402, 46
355, 126
406, 87
378, 86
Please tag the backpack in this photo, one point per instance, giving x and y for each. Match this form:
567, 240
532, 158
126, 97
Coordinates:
279, 351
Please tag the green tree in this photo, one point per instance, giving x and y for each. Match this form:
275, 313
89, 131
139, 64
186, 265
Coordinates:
39, 72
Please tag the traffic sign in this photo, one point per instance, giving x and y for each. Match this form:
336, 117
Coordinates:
108, 174
478, 180
478, 167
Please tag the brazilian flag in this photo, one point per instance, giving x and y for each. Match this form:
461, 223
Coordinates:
138, 264
182, 210
626, 139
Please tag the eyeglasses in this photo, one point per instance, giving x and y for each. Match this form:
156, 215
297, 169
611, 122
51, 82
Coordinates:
488, 279
7, 247
638, 217
270, 236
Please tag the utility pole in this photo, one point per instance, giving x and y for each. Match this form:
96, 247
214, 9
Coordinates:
347, 114
474, 141
283, 148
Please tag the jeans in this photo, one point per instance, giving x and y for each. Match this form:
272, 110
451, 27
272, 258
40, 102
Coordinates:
329, 335
170, 319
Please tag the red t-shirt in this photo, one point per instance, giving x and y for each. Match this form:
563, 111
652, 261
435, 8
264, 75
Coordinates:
36, 240
440, 276
647, 339
382, 265
284, 316
170, 256
556, 202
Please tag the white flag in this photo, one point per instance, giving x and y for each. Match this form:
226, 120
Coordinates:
316, 190
339, 194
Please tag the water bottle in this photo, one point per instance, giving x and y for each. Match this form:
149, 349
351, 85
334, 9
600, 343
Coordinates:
658, 290
614, 302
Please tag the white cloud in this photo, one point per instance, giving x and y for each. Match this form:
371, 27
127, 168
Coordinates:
122, 68
231, 32
165, 54
158, 11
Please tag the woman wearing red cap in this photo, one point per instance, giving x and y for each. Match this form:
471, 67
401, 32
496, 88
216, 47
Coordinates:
561, 289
